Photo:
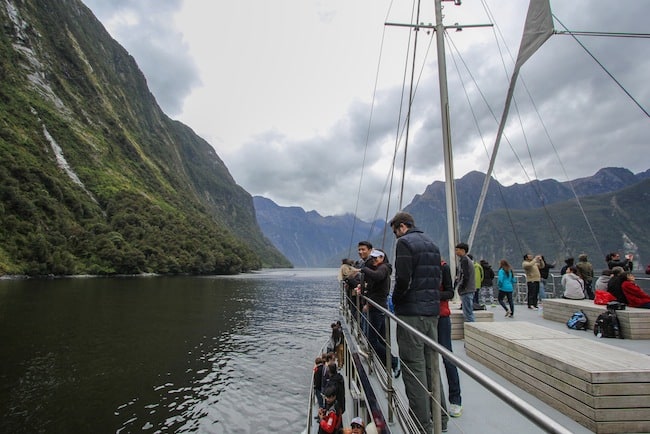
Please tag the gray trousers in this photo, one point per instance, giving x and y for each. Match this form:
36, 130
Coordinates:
416, 358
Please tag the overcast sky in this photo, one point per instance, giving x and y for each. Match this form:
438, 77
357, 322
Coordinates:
284, 91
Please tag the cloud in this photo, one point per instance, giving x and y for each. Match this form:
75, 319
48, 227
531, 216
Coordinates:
285, 93
145, 28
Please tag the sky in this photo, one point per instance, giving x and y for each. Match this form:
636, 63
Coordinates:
304, 100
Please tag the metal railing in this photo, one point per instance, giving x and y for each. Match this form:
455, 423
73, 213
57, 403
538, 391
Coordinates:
527, 410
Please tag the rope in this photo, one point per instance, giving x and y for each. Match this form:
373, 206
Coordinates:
603, 67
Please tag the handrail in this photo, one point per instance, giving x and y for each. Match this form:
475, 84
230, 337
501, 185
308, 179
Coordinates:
537, 417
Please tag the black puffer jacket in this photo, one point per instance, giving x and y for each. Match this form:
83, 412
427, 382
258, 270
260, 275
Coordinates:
378, 282
417, 275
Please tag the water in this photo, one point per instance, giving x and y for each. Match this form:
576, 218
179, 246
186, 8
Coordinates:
184, 354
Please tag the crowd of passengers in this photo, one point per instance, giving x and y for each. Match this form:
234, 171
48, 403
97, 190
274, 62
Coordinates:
370, 276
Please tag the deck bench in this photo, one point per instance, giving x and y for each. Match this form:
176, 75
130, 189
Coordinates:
458, 320
603, 387
634, 321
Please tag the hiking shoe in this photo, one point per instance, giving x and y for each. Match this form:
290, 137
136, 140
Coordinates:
397, 370
455, 410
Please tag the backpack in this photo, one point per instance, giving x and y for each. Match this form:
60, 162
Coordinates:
578, 321
488, 273
607, 325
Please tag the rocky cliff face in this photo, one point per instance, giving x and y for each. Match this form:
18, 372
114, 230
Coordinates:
95, 177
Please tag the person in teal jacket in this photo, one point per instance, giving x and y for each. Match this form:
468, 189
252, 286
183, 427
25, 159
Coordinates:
506, 283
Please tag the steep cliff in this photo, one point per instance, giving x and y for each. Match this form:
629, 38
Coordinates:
95, 177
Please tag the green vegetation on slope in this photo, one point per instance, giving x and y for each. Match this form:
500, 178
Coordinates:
151, 196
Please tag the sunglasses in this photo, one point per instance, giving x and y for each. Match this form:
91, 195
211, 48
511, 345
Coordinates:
356, 425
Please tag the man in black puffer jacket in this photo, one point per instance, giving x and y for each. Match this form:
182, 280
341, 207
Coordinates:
418, 275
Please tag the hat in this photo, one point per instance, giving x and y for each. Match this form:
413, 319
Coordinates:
376, 253
357, 420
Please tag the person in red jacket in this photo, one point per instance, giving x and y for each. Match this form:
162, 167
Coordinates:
636, 297
330, 417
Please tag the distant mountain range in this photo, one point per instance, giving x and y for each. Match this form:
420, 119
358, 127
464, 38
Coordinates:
540, 216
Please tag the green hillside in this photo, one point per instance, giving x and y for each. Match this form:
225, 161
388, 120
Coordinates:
95, 177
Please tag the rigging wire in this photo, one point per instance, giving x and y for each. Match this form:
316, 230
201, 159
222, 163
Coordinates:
480, 132
410, 106
548, 136
398, 134
535, 186
365, 149
603, 67
559, 160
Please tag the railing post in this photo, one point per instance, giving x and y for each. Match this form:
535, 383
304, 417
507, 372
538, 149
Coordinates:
435, 393
389, 367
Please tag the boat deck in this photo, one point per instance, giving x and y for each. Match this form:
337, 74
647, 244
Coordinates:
484, 412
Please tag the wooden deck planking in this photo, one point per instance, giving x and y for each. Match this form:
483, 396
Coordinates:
605, 388
635, 322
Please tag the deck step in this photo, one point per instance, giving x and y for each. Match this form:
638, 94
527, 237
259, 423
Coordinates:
603, 387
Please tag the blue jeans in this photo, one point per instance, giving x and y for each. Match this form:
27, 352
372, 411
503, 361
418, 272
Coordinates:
467, 301
377, 335
542, 289
444, 338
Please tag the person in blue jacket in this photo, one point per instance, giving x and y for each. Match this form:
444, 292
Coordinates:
506, 283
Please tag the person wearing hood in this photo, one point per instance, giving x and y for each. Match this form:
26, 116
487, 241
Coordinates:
586, 272
603, 280
574, 286
377, 272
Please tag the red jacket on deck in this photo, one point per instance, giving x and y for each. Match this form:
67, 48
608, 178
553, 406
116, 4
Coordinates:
635, 296
332, 420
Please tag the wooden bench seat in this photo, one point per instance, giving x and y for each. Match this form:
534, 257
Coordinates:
603, 387
635, 322
458, 320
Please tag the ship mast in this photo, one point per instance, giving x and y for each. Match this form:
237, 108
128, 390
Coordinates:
450, 184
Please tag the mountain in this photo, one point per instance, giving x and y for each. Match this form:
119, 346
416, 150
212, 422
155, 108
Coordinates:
539, 216
548, 207
308, 239
95, 177
617, 222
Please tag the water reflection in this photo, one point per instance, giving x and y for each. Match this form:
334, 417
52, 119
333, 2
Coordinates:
162, 354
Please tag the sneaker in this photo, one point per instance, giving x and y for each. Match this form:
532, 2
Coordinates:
444, 427
397, 370
507, 313
534, 308
455, 410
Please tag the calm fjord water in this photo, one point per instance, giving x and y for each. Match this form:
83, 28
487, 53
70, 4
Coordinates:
182, 354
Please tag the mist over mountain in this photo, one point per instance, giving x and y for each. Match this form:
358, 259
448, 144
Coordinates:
95, 177
540, 216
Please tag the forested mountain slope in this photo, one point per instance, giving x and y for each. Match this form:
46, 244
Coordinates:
95, 178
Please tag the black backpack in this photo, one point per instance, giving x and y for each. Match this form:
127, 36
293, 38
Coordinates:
607, 325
